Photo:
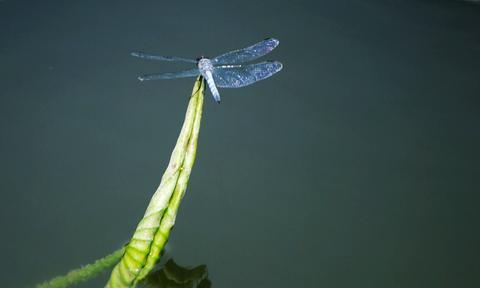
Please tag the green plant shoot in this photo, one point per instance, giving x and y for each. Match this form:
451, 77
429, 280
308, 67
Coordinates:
139, 256
149, 239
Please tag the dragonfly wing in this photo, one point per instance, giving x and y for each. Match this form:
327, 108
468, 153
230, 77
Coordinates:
172, 75
247, 54
161, 58
229, 76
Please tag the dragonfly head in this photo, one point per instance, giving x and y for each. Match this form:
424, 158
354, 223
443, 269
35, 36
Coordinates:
201, 57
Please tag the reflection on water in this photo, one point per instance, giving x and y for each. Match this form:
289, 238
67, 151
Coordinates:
172, 275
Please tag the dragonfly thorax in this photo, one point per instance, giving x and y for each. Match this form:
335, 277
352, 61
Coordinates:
205, 65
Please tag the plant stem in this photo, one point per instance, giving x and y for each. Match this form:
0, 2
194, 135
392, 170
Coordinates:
84, 273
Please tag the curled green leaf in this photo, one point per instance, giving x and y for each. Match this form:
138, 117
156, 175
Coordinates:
152, 232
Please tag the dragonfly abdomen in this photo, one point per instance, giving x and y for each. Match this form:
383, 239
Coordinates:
209, 78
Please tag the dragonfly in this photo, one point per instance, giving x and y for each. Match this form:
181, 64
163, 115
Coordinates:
225, 71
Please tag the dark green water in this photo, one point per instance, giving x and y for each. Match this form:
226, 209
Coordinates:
356, 166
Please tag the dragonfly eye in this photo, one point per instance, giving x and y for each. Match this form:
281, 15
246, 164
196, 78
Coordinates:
202, 57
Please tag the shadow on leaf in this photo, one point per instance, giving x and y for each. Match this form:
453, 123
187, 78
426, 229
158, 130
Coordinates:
171, 275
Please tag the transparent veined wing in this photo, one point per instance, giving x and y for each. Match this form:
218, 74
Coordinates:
247, 54
161, 58
170, 75
235, 76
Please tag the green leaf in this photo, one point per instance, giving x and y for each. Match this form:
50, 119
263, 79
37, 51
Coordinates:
152, 232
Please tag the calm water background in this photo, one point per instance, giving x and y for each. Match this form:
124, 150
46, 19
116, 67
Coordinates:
356, 166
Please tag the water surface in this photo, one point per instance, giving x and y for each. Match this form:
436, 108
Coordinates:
356, 166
